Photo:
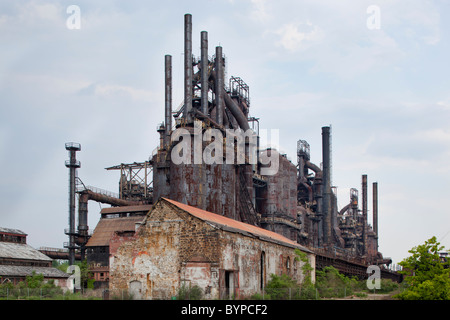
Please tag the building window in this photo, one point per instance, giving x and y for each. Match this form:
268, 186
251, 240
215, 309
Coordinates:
288, 264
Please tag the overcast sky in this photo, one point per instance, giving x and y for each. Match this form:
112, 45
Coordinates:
382, 84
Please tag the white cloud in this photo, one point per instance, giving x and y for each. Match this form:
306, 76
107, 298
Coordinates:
115, 90
259, 10
292, 39
33, 13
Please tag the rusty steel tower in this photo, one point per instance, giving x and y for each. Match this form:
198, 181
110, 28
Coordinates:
73, 164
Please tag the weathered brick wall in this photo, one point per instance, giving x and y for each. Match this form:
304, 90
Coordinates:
172, 248
243, 254
151, 260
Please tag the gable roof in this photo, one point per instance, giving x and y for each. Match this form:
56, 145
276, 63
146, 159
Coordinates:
11, 250
232, 225
12, 231
22, 271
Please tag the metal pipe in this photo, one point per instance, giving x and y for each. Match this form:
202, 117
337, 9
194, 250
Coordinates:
83, 227
99, 197
83, 213
232, 106
168, 97
219, 84
313, 167
204, 72
188, 72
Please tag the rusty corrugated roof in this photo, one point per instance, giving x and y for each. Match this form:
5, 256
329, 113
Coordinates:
236, 226
107, 226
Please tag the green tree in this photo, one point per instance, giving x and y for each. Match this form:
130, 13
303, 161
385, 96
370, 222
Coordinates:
87, 279
426, 275
35, 280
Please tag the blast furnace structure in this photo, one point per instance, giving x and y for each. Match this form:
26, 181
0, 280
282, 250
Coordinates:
298, 201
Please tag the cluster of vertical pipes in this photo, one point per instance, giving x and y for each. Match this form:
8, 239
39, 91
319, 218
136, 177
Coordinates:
211, 187
323, 220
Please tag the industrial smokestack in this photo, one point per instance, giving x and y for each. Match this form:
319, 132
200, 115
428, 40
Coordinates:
364, 209
375, 207
168, 98
219, 85
326, 206
72, 164
188, 72
204, 72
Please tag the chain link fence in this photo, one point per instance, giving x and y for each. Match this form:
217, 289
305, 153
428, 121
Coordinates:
306, 293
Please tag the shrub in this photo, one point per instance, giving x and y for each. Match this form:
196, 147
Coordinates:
281, 287
331, 283
189, 293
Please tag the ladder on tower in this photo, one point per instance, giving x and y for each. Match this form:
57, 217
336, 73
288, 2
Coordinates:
248, 213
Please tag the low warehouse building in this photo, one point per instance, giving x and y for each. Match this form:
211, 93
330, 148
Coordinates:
177, 245
19, 260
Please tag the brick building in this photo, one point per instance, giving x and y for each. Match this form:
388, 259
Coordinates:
114, 219
178, 244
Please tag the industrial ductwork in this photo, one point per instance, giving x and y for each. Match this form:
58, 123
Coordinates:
232, 106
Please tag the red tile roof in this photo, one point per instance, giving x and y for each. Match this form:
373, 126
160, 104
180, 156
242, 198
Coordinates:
236, 226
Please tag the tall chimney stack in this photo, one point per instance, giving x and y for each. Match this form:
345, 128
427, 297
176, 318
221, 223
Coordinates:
72, 164
188, 72
326, 199
364, 209
375, 208
168, 98
219, 85
204, 71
